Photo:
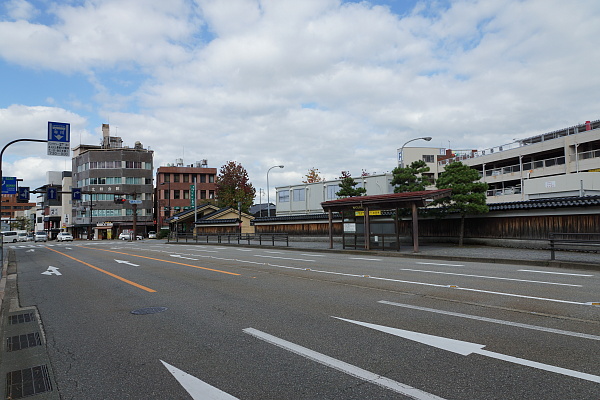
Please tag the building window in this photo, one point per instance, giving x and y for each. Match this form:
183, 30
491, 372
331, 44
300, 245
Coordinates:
331, 192
211, 179
186, 178
176, 178
211, 194
283, 196
428, 158
165, 194
203, 194
176, 194
167, 178
186, 194
202, 178
299, 194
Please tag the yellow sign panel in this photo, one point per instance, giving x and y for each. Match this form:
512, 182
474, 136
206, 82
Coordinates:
362, 213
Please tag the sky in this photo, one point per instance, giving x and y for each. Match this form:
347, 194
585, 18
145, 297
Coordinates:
327, 84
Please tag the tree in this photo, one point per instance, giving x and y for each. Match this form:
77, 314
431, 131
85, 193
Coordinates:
411, 178
233, 186
313, 176
22, 223
468, 194
347, 186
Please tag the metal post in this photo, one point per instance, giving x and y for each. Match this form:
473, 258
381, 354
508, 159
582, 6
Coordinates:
268, 198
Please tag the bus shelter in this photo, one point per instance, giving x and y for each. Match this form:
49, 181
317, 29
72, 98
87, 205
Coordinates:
394, 201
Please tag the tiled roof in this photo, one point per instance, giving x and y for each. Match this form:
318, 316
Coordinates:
585, 201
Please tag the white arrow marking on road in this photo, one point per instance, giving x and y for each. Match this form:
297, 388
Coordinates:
30, 251
186, 258
127, 262
51, 271
198, 389
466, 348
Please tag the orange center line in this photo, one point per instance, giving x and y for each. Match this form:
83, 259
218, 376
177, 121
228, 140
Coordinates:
147, 289
167, 261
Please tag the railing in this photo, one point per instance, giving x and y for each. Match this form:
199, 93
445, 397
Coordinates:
381, 241
231, 238
574, 242
504, 192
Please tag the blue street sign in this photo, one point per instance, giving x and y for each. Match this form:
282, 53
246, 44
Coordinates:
9, 185
51, 192
59, 132
59, 138
23, 193
76, 194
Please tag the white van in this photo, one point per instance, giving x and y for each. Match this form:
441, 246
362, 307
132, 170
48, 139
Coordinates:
10, 236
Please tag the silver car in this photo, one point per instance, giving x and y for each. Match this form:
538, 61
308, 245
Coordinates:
64, 237
40, 236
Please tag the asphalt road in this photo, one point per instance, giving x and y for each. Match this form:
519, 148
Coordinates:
258, 323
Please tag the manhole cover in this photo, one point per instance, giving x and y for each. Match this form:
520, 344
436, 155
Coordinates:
149, 310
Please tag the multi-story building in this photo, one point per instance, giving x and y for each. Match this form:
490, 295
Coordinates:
562, 163
53, 215
175, 188
108, 172
11, 208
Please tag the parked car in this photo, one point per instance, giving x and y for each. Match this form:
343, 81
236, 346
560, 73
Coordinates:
10, 236
22, 237
152, 235
64, 237
40, 236
127, 236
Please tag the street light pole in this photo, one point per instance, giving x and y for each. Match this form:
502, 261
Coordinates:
268, 198
427, 138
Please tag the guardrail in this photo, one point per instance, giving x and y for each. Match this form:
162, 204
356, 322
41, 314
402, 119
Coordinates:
229, 238
574, 242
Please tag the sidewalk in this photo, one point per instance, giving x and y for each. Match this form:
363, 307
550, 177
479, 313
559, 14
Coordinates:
450, 252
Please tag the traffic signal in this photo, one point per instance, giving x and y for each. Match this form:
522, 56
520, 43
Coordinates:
120, 200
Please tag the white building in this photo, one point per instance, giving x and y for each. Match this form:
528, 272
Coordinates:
562, 163
306, 198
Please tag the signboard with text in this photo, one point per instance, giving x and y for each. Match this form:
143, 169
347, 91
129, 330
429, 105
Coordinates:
59, 139
9, 185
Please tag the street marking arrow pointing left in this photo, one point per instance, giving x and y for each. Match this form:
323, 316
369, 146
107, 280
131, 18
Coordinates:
51, 271
127, 262
466, 348
196, 388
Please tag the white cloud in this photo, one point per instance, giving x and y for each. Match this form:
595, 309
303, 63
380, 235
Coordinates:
20, 9
317, 83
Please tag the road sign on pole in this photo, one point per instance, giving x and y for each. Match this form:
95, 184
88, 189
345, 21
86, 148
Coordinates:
23, 193
51, 193
135, 202
76, 194
59, 138
9, 185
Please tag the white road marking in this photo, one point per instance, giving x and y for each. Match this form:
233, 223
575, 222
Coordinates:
313, 255
488, 277
444, 265
453, 287
185, 258
199, 390
365, 259
274, 252
554, 273
467, 348
51, 271
127, 262
349, 369
284, 258
494, 321
243, 250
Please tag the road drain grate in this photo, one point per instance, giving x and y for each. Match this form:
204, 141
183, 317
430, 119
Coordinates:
27, 382
21, 318
149, 310
21, 342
